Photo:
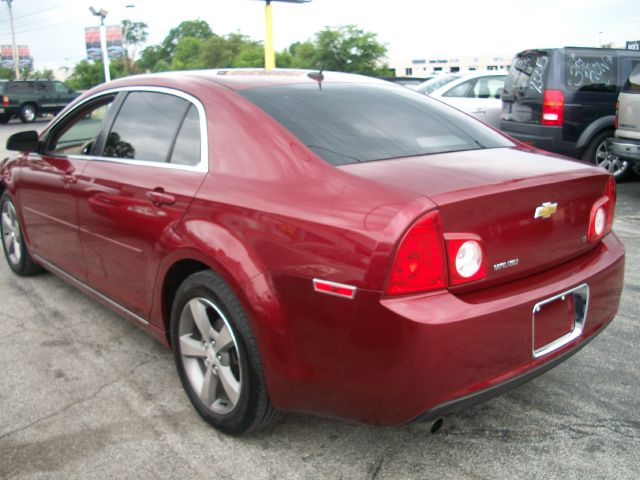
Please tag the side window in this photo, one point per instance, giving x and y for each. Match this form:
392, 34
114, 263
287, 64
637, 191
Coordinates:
20, 87
77, 135
60, 87
488, 87
186, 150
145, 127
591, 73
461, 90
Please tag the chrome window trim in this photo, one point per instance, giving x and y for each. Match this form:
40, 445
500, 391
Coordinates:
202, 166
581, 291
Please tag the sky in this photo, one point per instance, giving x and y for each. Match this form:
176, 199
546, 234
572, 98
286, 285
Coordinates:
411, 29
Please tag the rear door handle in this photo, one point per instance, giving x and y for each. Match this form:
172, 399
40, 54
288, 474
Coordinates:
160, 198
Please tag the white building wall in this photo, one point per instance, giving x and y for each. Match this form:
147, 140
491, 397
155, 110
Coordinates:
421, 67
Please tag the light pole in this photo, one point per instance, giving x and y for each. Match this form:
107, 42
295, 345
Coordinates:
16, 57
103, 41
269, 52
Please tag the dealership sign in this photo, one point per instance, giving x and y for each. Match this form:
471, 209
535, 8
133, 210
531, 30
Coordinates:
114, 42
24, 56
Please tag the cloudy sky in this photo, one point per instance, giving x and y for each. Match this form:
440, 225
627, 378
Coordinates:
54, 29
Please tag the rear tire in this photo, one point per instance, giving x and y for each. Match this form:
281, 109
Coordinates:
15, 249
217, 357
28, 113
598, 154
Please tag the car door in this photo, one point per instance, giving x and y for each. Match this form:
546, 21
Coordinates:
150, 165
47, 97
49, 185
479, 97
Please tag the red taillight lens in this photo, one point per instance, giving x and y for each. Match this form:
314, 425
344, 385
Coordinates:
601, 218
5, 101
467, 260
419, 262
553, 107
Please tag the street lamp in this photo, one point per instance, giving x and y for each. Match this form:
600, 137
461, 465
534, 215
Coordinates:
269, 52
103, 41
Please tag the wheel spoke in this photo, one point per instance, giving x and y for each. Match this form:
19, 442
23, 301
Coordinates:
209, 387
190, 347
201, 319
224, 340
229, 383
7, 224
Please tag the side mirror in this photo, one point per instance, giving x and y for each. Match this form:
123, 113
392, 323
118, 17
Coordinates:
24, 141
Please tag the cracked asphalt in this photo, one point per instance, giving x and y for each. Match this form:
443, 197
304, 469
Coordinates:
85, 394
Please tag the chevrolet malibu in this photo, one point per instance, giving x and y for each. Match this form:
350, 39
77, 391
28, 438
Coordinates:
316, 242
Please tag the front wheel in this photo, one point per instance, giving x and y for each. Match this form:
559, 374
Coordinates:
598, 154
15, 250
217, 357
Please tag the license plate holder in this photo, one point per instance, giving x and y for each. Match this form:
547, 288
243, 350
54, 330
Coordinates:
558, 320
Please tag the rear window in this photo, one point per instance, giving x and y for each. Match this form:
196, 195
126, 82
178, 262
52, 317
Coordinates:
347, 123
527, 75
19, 87
590, 72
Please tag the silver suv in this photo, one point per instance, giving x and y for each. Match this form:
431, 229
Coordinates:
626, 144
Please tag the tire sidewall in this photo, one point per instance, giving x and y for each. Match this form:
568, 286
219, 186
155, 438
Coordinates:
590, 153
20, 267
208, 285
23, 116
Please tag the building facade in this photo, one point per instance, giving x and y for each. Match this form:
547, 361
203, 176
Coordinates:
448, 64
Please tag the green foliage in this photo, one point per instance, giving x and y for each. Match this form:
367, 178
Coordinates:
89, 74
26, 74
134, 34
198, 29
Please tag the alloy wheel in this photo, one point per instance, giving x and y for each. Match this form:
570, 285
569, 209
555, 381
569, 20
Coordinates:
11, 236
610, 162
209, 354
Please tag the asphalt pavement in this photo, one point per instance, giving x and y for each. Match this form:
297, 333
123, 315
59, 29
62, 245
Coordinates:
85, 394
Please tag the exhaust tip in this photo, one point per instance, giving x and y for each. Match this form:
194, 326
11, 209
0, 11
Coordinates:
436, 425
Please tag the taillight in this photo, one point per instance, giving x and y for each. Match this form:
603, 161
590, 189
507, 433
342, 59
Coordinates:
419, 262
553, 107
615, 121
466, 258
5, 101
601, 217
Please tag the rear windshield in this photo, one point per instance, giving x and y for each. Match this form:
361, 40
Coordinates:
429, 86
590, 72
349, 123
527, 75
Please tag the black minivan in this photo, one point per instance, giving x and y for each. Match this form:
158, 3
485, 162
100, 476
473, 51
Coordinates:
564, 100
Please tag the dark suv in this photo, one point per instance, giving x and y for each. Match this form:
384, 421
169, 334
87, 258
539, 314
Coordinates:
30, 98
564, 100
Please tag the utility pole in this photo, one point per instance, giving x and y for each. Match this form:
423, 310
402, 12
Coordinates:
103, 41
16, 57
269, 52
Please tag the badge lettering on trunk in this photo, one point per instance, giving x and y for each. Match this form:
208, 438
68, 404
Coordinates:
545, 210
508, 264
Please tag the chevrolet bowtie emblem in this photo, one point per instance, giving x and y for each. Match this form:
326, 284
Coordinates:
545, 210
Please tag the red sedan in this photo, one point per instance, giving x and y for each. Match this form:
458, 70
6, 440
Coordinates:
321, 243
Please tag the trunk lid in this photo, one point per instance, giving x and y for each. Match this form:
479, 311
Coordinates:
524, 87
495, 193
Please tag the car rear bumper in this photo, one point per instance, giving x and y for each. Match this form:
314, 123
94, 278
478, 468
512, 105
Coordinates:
544, 137
625, 148
391, 360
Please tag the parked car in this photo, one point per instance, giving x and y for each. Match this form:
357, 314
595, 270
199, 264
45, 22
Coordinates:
563, 100
320, 243
29, 98
625, 147
436, 82
476, 93
409, 82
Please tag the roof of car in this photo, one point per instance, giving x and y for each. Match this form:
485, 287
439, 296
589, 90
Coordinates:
244, 78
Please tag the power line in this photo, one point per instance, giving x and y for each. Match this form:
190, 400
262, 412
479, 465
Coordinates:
44, 27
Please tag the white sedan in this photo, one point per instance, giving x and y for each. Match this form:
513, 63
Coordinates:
477, 93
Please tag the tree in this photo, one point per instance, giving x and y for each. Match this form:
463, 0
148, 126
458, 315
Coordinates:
134, 34
189, 28
89, 74
187, 55
348, 49
150, 57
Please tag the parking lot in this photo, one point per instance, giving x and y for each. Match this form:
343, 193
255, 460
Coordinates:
84, 393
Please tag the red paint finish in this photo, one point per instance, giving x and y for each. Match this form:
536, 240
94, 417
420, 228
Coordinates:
269, 216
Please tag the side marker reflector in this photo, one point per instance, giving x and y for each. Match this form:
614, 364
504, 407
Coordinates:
332, 288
